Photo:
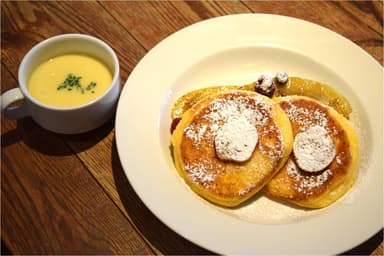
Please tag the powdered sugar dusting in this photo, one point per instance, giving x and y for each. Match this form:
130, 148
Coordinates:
223, 110
201, 172
302, 116
338, 160
275, 149
196, 132
306, 183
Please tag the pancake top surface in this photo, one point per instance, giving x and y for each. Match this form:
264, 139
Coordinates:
305, 113
201, 124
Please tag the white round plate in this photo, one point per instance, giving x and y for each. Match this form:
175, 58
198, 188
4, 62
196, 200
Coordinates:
235, 49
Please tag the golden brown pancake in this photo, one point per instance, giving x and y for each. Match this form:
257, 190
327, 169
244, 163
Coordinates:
321, 188
226, 182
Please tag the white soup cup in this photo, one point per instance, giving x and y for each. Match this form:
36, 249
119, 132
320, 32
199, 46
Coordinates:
65, 120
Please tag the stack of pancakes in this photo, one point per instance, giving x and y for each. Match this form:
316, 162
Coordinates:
272, 164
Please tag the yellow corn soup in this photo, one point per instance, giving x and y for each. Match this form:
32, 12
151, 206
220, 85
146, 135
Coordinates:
69, 80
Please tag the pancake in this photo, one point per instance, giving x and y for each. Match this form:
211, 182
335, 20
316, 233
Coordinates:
197, 137
316, 188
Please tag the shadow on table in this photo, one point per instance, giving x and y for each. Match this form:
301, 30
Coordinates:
158, 234
50, 143
4, 249
367, 247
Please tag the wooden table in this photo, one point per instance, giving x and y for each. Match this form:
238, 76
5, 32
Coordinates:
67, 194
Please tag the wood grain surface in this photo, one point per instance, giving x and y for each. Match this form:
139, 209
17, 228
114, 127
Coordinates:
68, 194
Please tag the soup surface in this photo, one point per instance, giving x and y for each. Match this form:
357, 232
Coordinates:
69, 80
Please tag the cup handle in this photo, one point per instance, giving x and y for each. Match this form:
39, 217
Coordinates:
10, 97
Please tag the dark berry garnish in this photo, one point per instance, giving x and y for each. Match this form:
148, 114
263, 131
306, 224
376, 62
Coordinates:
265, 85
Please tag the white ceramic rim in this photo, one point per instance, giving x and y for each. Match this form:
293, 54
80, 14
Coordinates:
53, 40
137, 137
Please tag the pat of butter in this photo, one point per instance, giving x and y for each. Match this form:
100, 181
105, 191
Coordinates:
236, 140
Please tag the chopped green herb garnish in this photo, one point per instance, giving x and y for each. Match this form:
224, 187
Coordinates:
90, 86
73, 81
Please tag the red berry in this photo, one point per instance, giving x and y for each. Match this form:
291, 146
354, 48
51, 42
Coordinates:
174, 123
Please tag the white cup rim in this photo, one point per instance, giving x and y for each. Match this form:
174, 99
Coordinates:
53, 39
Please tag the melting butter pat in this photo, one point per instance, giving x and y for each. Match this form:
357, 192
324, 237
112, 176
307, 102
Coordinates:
236, 140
